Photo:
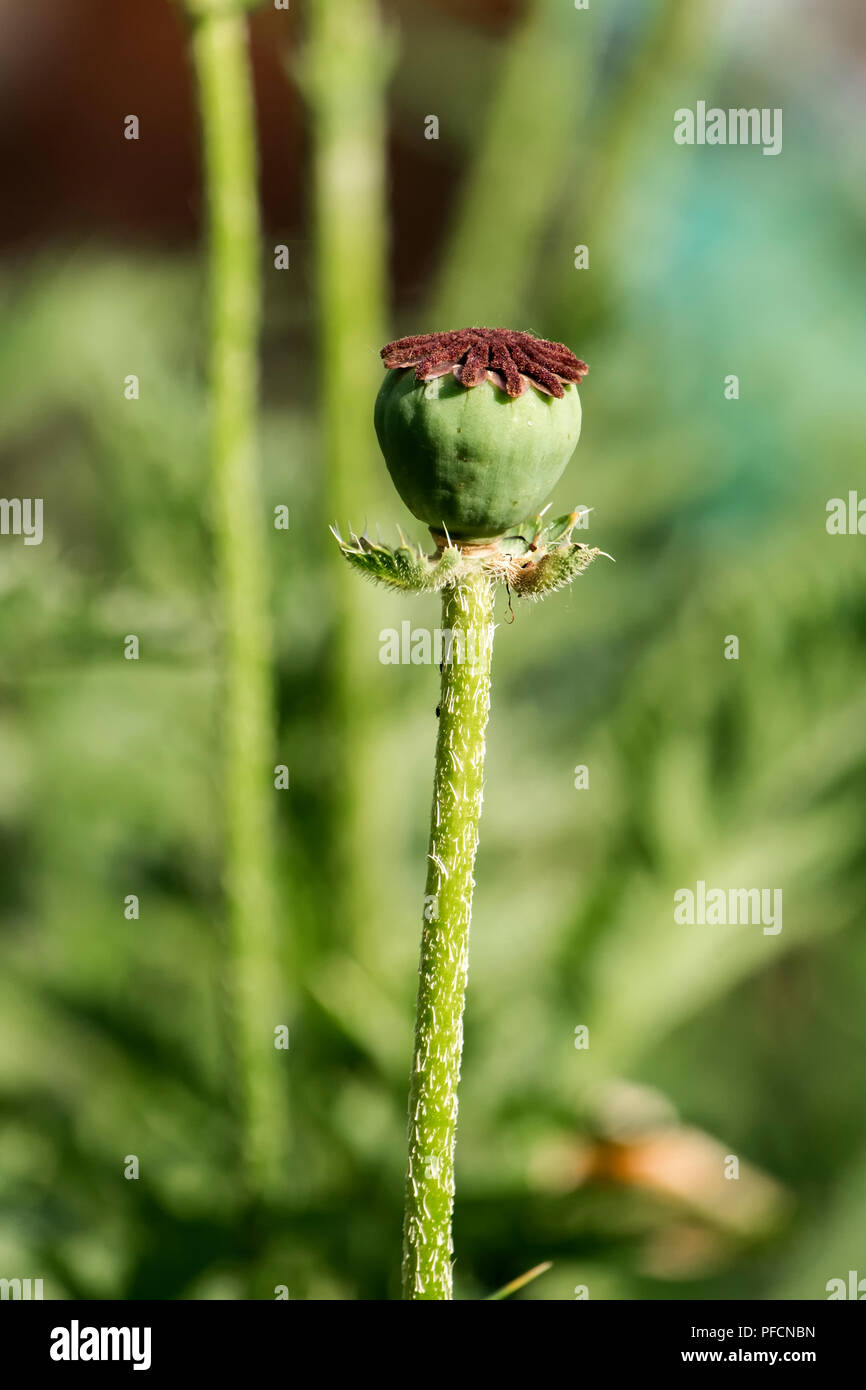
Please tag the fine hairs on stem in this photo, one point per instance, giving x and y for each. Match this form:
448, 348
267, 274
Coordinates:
219, 46
464, 705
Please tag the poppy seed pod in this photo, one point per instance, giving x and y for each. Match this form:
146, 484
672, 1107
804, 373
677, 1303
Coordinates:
477, 436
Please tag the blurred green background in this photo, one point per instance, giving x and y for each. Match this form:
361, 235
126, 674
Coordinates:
555, 129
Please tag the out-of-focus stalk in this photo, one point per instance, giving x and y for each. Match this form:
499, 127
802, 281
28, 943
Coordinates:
219, 46
673, 42
516, 174
343, 73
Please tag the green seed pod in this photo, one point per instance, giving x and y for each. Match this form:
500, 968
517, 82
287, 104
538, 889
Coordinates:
477, 436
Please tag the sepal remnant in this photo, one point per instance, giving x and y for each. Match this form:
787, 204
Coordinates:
534, 562
401, 567
550, 559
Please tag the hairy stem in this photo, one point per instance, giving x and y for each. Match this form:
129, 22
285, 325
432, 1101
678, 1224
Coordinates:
225, 95
467, 612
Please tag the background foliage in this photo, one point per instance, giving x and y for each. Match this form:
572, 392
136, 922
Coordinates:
555, 129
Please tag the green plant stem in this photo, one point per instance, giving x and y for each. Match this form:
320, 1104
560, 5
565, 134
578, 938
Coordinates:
467, 611
343, 73
225, 93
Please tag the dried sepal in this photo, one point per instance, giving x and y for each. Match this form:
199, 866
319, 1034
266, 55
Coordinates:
534, 562
542, 557
549, 570
400, 567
